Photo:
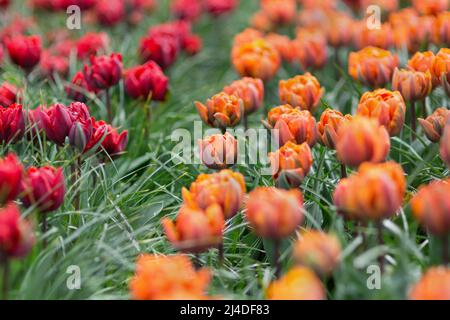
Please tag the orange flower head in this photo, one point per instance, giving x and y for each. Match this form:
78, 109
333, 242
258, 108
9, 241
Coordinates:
274, 213
434, 124
246, 36
423, 62
328, 126
218, 151
337, 31
283, 45
297, 126
434, 285
221, 111
256, 59
444, 149
280, 12
441, 64
225, 188
310, 48
158, 277
426, 7
313, 18
441, 29
413, 31
290, 164
303, 91
250, 90
431, 207
413, 85
275, 113
381, 38
318, 250
362, 140
260, 20
388, 107
372, 66
299, 283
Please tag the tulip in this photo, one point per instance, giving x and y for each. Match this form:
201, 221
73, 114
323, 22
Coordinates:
78, 88
12, 123
147, 80
299, 283
56, 122
260, 20
218, 151
317, 250
302, 91
283, 45
434, 285
4, 4
53, 64
441, 68
186, 9
427, 7
256, 59
362, 139
310, 48
441, 28
445, 144
280, 12
388, 107
220, 7
8, 94
161, 49
172, 284
110, 12
328, 126
247, 36
83, 4
192, 44
313, 18
337, 32
423, 62
221, 111
434, 124
107, 138
81, 127
274, 114
372, 66
24, 51
10, 178
380, 38
291, 164
91, 44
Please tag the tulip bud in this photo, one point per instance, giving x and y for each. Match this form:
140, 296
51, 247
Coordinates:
280, 12
24, 51
247, 36
441, 64
301, 91
81, 129
186, 9
337, 33
274, 213
163, 49
430, 7
172, 284
218, 151
377, 37
441, 29
12, 123
91, 43
10, 177
310, 48
260, 20
221, 111
434, 285
104, 72
362, 139
328, 126
299, 283
110, 12
256, 59
434, 124
56, 122
274, 114
146, 80
192, 44
225, 188
372, 66
423, 62
52, 64
317, 250
290, 164
107, 138
388, 107
8, 94
283, 45
250, 90
413, 85
445, 144
219, 7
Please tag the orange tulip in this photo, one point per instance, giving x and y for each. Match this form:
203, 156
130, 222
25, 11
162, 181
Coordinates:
310, 48
441, 28
362, 139
218, 151
274, 213
256, 59
431, 207
434, 285
246, 36
225, 188
250, 90
303, 91
381, 38
441, 68
275, 113
328, 126
313, 18
279, 11
426, 7
299, 283
283, 45
388, 107
338, 34
290, 164
317, 250
372, 66
158, 277
413, 85
423, 62
414, 32
260, 20
434, 124
385, 5
445, 145
221, 111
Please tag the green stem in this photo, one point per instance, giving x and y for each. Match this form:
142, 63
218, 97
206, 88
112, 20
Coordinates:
380, 242
44, 228
108, 106
276, 258
413, 121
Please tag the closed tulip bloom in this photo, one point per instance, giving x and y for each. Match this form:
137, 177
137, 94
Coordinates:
445, 144
110, 12
310, 48
441, 68
274, 114
219, 7
225, 188
423, 62
186, 9
427, 7
372, 66
12, 123
318, 250
362, 139
434, 285
91, 43
283, 45
16, 234
303, 91
10, 178
274, 213
24, 51
171, 283
328, 126
338, 34
256, 59
147, 80
299, 283
161, 49
381, 38
107, 138
441, 28
78, 89
53, 64
218, 151
291, 164
8, 94
434, 124
280, 12
246, 36
56, 122
388, 107
104, 71
192, 44
260, 20
81, 129
413, 85
221, 111
250, 90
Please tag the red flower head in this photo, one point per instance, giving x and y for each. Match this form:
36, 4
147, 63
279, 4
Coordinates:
56, 122
91, 44
161, 49
145, 80
104, 71
24, 51
83, 4
107, 138
4, 4
219, 7
8, 94
54, 64
81, 128
192, 44
110, 12
186, 9
10, 177
78, 88
12, 123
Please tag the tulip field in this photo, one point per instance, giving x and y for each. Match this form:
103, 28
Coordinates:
224, 149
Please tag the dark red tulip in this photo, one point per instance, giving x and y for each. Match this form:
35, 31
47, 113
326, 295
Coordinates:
56, 122
219, 7
19, 25
83, 4
91, 44
146, 79
10, 178
104, 71
159, 48
186, 9
43, 188
54, 64
178, 29
81, 129
4, 4
110, 12
8, 94
192, 44
24, 51
12, 123
78, 88
113, 143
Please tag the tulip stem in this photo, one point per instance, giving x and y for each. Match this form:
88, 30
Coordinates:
5, 277
343, 171
245, 122
44, 228
413, 121
445, 249
380, 242
75, 168
108, 106
424, 108
276, 258
221, 256
196, 261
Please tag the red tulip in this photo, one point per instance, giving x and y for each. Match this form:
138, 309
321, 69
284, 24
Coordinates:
107, 138
146, 79
4, 4
10, 177
8, 94
81, 129
219, 7
91, 44
186, 9
12, 123
83, 4
43, 188
161, 49
24, 51
54, 64
192, 44
56, 122
78, 88
110, 12
104, 71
